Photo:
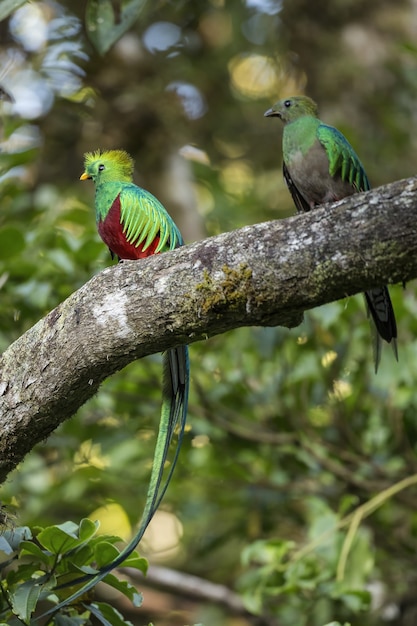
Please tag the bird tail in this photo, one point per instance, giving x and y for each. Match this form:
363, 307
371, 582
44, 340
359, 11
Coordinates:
176, 379
381, 311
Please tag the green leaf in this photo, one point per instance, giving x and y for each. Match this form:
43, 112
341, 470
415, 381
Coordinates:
12, 242
88, 529
25, 598
356, 599
80, 557
105, 553
32, 549
89, 251
64, 537
137, 562
57, 540
267, 551
8, 6
5, 548
15, 536
126, 588
23, 572
103, 27
108, 615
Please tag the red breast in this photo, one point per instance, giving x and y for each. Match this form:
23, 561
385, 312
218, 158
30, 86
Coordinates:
111, 232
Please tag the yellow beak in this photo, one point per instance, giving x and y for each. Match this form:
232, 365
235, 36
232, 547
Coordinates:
84, 176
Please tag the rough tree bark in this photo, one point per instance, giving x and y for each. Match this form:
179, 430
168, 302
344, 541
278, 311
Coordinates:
266, 274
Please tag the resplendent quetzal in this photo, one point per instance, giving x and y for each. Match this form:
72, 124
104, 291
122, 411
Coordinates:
320, 166
134, 225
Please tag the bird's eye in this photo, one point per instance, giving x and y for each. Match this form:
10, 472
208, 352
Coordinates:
101, 167
287, 103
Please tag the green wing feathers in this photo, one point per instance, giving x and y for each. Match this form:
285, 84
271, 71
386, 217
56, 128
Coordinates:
144, 218
343, 160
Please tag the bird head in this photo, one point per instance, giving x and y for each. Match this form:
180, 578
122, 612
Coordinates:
290, 109
107, 166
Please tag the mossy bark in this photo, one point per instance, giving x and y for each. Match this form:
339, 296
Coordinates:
266, 274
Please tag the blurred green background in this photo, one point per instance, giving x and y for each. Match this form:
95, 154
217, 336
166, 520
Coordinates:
289, 432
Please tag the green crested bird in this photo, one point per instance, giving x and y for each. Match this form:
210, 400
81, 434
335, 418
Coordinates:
320, 165
134, 225
130, 220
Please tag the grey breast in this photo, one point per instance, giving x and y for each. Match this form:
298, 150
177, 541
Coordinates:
310, 174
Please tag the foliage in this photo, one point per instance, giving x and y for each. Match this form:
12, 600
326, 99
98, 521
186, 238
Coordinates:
46, 563
296, 480
105, 27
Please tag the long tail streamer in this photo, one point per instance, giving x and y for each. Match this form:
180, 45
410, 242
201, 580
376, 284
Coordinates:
176, 379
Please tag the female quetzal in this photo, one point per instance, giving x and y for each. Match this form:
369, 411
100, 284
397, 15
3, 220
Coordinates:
320, 166
134, 225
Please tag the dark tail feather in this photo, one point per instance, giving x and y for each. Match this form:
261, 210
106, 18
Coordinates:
176, 380
382, 313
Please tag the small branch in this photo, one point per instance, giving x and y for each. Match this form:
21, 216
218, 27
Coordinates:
189, 586
266, 274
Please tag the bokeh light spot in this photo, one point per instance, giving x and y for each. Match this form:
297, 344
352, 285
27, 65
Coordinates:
253, 75
161, 36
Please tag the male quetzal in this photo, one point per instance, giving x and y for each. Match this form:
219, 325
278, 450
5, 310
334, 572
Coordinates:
319, 166
135, 225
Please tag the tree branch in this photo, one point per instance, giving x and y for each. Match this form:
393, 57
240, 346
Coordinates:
266, 274
188, 585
